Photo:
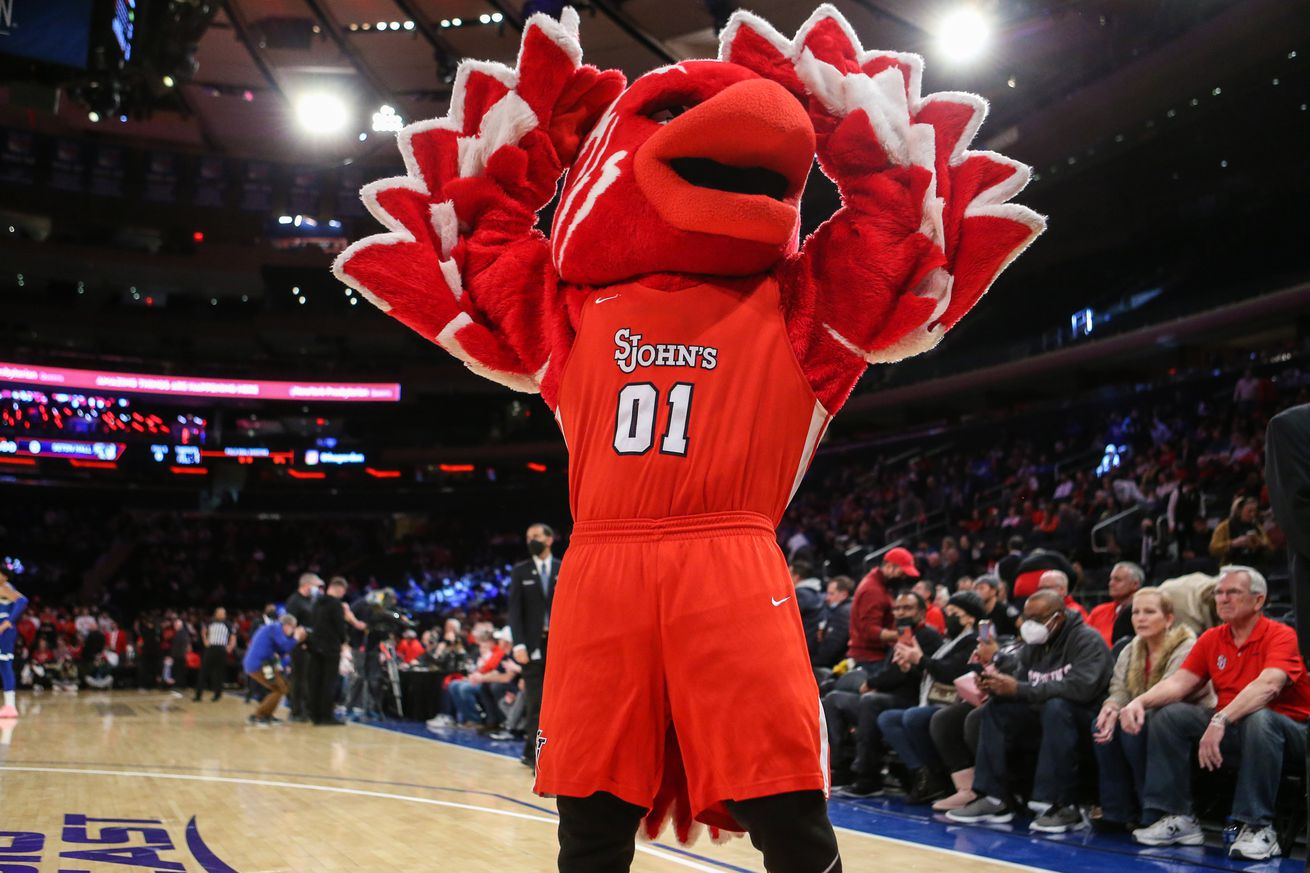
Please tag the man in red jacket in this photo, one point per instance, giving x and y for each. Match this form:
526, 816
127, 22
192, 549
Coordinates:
873, 630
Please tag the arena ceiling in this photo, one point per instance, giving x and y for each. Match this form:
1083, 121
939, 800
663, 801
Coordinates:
1054, 69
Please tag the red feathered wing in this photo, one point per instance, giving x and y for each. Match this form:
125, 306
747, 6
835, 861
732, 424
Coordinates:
461, 262
925, 225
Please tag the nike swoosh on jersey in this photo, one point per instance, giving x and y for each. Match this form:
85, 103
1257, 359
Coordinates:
781, 602
603, 299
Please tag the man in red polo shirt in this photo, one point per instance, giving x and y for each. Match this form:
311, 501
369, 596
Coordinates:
873, 630
1264, 703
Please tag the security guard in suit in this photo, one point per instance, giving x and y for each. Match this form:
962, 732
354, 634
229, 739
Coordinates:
531, 590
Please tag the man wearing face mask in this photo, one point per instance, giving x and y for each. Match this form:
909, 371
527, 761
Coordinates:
301, 605
889, 686
531, 591
1051, 688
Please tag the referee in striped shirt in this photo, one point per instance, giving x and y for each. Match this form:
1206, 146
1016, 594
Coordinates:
220, 641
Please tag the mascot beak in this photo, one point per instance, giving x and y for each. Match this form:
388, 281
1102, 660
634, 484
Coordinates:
732, 166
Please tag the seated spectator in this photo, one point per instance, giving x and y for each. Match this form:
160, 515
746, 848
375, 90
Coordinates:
834, 624
409, 648
906, 730
1052, 688
1264, 703
927, 592
464, 692
809, 597
872, 628
1239, 539
1001, 614
1113, 620
1058, 581
888, 686
1158, 650
497, 684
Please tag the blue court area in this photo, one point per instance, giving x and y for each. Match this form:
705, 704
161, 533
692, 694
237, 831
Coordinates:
889, 817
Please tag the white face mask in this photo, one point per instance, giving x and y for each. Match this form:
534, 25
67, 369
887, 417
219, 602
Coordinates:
1034, 633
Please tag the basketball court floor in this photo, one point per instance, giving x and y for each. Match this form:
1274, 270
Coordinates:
151, 781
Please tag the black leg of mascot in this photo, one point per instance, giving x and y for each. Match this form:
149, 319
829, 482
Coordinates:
597, 834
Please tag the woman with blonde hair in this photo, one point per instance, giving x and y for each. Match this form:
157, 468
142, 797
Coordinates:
1239, 539
1158, 649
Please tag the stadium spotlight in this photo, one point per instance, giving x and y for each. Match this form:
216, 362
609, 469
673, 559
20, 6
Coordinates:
321, 113
963, 34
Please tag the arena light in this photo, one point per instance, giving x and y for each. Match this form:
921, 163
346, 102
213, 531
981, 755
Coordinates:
963, 35
386, 120
322, 113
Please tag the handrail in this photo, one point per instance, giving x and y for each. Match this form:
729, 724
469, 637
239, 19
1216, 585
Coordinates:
1133, 510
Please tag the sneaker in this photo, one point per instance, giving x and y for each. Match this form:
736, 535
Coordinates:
861, 787
984, 809
1059, 820
8, 712
500, 735
1171, 830
1039, 807
1255, 845
256, 721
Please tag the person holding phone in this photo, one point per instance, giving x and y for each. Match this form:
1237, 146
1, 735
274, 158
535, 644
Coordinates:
889, 686
1047, 694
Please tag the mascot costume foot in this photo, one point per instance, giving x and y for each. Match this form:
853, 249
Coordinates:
692, 352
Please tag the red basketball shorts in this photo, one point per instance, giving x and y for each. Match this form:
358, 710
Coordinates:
687, 623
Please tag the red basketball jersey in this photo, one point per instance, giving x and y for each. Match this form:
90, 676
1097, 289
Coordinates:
683, 402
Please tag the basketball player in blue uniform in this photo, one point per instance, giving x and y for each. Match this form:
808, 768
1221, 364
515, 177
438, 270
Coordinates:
11, 607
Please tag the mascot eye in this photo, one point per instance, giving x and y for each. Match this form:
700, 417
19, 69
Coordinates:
665, 114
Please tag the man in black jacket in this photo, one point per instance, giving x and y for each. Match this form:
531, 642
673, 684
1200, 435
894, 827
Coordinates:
1287, 472
531, 592
1052, 689
889, 687
809, 598
834, 623
301, 605
328, 621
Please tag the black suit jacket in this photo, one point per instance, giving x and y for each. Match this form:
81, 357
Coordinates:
1287, 472
527, 603
328, 624
836, 635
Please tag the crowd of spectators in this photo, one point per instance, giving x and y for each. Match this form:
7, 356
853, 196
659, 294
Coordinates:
1159, 468
1004, 648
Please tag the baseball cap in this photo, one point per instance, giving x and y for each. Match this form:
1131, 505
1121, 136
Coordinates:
903, 559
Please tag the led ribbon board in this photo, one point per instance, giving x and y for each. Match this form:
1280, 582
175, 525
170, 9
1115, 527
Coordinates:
199, 386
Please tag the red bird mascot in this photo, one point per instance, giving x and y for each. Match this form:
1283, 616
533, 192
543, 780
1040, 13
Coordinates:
692, 352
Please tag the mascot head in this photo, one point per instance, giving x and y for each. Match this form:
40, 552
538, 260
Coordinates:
696, 168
